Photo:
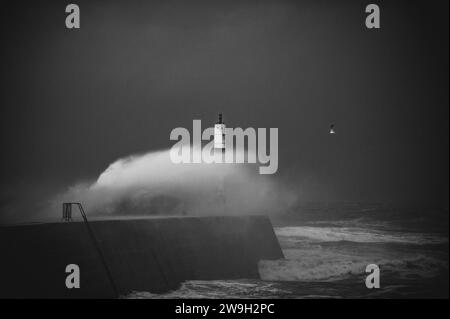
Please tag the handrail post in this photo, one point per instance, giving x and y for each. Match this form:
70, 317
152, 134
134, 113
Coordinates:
67, 215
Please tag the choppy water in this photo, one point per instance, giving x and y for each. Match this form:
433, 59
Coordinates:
328, 248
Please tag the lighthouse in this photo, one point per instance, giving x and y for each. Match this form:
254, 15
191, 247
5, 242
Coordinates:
219, 150
219, 135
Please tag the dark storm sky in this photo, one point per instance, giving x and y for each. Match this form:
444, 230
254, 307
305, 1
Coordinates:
72, 101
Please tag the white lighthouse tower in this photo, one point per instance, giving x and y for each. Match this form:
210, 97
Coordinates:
219, 135
219, 149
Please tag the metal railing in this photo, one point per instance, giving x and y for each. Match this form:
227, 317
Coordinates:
67, 216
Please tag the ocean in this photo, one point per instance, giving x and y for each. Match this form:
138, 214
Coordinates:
327, 248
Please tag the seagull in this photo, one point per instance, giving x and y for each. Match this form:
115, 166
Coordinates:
332, 131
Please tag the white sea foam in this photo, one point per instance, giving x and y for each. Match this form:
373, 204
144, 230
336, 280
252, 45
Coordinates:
355, 234
216, 289
328, 266
316, 254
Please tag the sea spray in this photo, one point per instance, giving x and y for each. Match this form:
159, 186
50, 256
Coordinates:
152, 184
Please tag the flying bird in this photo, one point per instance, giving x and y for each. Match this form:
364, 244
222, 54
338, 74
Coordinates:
332, 131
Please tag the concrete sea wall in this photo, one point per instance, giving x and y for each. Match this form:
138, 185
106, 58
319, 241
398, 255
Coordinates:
142, 254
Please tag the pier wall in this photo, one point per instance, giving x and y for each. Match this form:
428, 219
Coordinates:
142, 254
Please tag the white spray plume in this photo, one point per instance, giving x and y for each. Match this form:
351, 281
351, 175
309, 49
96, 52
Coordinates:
151, 184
